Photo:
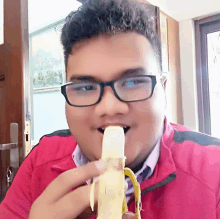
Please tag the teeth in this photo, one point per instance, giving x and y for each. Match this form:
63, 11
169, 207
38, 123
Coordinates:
124, 126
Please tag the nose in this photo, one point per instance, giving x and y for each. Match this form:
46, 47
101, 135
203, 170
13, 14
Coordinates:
110, 105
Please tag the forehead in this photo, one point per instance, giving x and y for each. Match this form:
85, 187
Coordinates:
105, 57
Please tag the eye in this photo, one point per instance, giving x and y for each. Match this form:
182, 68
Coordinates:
83, 87
133, 82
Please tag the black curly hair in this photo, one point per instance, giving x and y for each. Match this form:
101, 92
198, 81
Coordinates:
109, 17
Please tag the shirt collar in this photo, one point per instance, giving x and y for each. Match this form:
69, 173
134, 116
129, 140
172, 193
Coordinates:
79, 157
151, 161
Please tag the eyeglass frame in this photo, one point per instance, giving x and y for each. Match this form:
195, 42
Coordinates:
103, 84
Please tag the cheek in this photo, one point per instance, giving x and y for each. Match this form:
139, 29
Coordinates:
79, 122
150, 114
76, 118
159, 106
155, 106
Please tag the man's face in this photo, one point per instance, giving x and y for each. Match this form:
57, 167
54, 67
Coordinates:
104, 58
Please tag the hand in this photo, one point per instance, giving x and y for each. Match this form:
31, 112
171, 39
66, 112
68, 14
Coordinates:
58, 201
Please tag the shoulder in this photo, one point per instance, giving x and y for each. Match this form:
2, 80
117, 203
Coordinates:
197, 155
195, 144
182, 134
53, 146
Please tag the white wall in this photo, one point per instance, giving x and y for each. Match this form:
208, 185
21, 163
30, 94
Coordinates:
188, 74
50, 11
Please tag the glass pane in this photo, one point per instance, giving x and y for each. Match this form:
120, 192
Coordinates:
46, 61
213, 41
47, 71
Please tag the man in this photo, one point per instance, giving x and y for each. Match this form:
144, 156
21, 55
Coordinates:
113, 66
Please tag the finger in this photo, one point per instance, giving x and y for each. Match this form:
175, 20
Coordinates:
78, 200
128, 215
75, 202
71, 179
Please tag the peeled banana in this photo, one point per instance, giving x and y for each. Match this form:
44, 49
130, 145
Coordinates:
111, 196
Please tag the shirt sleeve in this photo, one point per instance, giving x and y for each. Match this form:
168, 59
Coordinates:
18, 199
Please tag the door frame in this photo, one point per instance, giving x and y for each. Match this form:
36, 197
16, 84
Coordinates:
14, 58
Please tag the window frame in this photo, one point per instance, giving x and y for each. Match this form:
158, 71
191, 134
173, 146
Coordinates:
202, 28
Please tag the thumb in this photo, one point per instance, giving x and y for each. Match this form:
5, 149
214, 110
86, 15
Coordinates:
128, 215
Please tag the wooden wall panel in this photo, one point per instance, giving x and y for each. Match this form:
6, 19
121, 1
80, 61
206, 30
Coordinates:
173, 88
174, 92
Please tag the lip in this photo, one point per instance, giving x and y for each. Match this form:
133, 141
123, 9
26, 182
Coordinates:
125, 127
127, 135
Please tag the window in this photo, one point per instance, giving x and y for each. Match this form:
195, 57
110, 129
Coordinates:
47, 71
47, 75
208, 74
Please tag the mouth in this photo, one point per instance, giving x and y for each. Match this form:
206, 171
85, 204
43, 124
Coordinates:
126, 128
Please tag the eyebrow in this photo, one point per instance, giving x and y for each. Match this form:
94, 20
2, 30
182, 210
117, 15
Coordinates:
135, 71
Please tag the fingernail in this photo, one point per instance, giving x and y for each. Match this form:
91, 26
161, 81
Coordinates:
101, 165
129, 213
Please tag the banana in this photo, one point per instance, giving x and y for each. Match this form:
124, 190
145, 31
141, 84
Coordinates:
111, 197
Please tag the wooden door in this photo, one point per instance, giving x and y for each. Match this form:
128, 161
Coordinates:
13, 68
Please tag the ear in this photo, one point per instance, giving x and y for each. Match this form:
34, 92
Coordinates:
164, 81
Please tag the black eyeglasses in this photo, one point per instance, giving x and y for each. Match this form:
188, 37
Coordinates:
129, 89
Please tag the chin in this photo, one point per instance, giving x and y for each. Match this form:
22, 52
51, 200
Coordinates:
130, 162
